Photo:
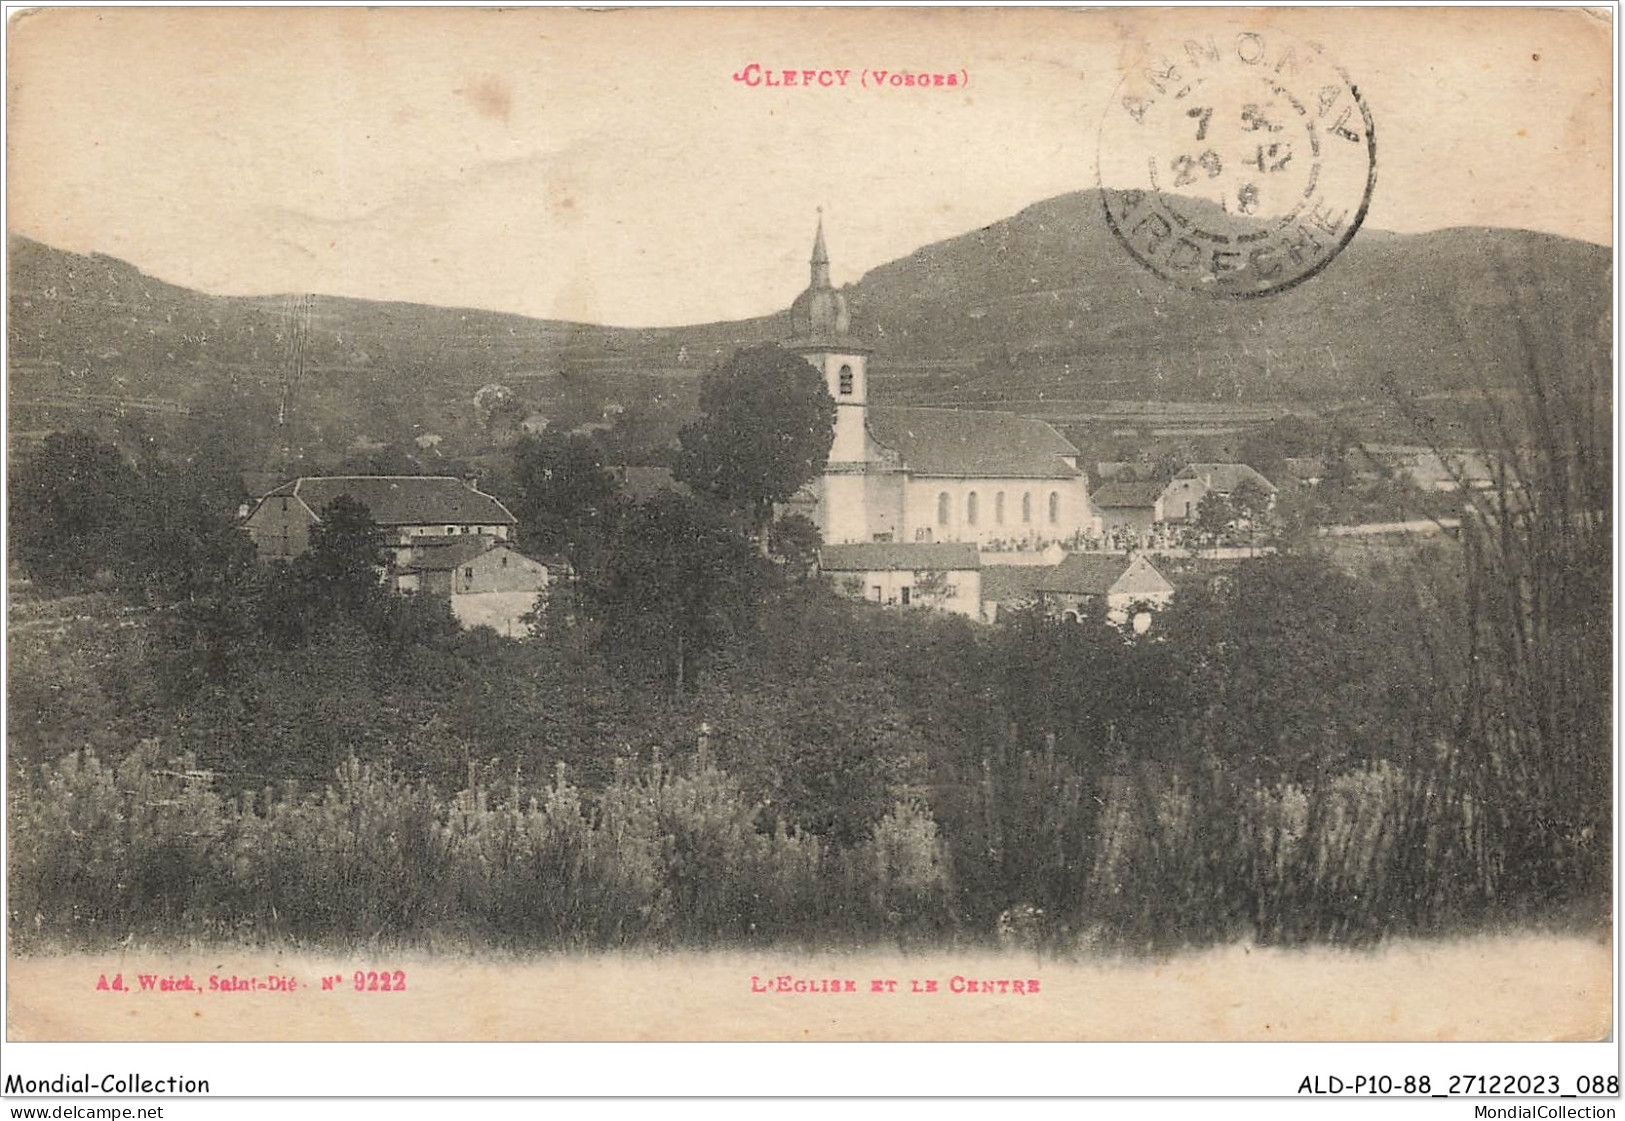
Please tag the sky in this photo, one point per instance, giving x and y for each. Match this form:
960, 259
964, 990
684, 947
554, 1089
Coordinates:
620, 167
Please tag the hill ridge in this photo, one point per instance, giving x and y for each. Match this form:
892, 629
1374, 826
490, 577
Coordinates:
1042, 304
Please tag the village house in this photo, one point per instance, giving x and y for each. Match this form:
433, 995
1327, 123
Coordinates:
486, 583
1009, 588
1125, 589
1130, 510
943, 576
411, 510
1182, 497
442, 537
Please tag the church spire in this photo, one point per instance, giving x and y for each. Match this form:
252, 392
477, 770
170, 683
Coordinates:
819, 314
820, 256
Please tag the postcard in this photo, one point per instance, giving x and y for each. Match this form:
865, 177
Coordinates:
740, 525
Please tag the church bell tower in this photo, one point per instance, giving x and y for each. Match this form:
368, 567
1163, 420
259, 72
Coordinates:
820, 331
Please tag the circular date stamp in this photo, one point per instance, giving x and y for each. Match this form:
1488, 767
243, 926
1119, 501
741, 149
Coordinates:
1237, 164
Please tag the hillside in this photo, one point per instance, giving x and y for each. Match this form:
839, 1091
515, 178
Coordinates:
1041, 311
1046, 305
91, 334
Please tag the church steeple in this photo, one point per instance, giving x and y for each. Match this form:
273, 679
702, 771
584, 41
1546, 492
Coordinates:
819, 314
820, 256
821, 332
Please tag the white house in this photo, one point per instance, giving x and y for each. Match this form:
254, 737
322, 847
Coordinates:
487, 583
946, 577
1127, 589
1183, 496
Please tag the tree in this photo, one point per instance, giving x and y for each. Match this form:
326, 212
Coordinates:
675, 583
1214, 515
793, 543
765, 429
565, 499
340, 571
1267, 448
337, 584
843, 751
1288, 670
68, 504
1251, 504
180, 540
1250, 500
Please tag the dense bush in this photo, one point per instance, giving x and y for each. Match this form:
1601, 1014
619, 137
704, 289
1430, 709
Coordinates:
666, 855
1143, 858
93, 845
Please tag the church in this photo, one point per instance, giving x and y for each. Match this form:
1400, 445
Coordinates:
924, 475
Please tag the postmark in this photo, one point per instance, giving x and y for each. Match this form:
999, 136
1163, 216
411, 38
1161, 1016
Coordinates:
1237, 163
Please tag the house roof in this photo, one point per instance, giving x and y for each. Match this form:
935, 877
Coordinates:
1226, 477
1085, 574
402, 499
444, 556
1101, 573
449, 553
1113, 496
1004, 583
963, 443
955, 556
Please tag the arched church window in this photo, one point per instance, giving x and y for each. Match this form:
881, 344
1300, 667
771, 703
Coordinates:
846, 381
1054, 507
1027, 507
970, 508
998, 508
942, 508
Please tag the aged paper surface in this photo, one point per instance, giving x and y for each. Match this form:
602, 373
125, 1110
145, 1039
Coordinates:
658, 168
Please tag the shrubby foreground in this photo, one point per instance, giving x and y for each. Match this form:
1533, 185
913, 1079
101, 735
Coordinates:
1282, 760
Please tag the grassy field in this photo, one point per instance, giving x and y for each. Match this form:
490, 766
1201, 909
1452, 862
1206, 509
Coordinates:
1513, 987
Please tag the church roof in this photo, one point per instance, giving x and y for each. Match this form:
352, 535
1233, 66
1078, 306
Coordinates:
963, 443
887, 556
402, 499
